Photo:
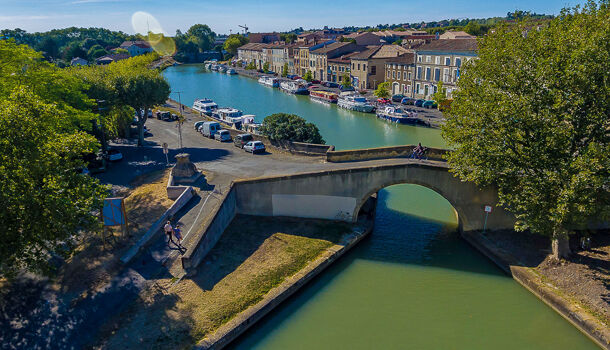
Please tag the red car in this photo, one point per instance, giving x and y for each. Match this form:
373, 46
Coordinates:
296, 77
383, 100
316, 82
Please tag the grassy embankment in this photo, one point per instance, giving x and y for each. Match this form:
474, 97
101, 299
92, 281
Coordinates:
254, 255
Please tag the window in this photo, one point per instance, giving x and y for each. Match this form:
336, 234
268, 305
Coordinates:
418, 72
364, 68
417, 86
446, 76
437, 74
404, 75
428, 71
393, 74
358, 66
458, 61
404, 89
388, 75
447, 61
437, 59
409, 76
408, 89
454, 77
418, 58
428, 59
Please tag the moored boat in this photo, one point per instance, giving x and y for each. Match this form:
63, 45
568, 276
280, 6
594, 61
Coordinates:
231, 116
324, 96
269, 81
294, 87
396, 114
355, 103
205, 106
222, 68
231, 71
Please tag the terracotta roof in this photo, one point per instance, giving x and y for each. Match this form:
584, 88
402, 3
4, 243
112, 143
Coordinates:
343, 58
366, 54
450, 45
113, 57
254, 46
456, 35
389, 51
139, 43
407, 58
330, 47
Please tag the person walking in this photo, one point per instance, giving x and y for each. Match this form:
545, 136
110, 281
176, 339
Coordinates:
169, 230
178, 235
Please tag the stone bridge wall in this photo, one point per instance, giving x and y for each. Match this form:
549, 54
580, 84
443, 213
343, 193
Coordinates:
380, 153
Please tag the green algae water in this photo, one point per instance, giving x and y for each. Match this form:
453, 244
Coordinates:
413, 284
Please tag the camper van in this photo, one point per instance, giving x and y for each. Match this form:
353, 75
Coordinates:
208, 129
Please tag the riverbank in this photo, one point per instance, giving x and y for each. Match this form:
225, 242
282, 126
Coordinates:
253, 258
575, 288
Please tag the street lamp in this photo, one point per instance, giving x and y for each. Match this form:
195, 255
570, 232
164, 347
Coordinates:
181, 120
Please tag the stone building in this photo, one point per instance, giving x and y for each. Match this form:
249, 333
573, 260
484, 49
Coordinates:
399, 73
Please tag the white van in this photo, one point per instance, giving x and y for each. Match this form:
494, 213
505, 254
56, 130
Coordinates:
208, 129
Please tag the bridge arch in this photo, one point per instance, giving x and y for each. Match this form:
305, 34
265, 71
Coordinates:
373, 191
339, 194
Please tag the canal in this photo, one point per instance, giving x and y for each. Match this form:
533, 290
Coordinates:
413, 283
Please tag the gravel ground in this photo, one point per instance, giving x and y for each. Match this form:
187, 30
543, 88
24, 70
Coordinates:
584, 277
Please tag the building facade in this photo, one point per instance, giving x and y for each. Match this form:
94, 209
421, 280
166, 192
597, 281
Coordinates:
320, 57
399, 73
441, 60
368, 67
136, 48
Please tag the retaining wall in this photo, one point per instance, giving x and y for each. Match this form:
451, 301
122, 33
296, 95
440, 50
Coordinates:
380, 153
222, 217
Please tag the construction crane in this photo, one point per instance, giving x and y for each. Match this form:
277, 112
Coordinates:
244, 27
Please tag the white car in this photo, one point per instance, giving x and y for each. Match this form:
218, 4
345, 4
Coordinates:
222, 135
114, 155
254, 146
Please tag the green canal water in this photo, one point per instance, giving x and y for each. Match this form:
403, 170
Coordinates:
413, 284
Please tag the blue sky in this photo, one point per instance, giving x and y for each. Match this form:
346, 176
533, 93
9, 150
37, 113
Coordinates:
270, 15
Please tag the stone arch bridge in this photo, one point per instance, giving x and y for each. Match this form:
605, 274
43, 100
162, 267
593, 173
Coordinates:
339, 194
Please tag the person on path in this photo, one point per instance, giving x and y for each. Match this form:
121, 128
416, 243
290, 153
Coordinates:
178, 235
169, 230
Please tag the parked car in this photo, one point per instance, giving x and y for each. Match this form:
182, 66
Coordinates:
296, 77
419, 103
254, 147
316, 81
397, 98
383, 101
241, 139
346, 88
209, 129
222, 135
330, 84
198, 125
114, 155
429, 104
291, 76
407, 101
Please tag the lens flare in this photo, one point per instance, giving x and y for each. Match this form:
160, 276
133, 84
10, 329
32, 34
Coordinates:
149, 27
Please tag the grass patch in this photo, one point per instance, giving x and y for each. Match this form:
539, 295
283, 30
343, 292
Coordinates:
254, 255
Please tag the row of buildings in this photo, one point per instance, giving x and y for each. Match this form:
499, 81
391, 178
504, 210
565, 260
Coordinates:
413, 68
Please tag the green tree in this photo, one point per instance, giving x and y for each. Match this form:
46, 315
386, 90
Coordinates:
288, 38
383, 90
440, 95
139, 87
346, 81
285, 70
290, 127
266, 67
250, 66
44, 199
531, 118
233, 42
308, 76
473, 28
74, 50
96, 51
202, 36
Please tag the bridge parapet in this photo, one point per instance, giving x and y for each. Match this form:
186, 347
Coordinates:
354, 155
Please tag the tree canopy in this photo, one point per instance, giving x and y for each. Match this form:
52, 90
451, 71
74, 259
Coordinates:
531, 118
290, 127
45, 119
233, 42
383, 90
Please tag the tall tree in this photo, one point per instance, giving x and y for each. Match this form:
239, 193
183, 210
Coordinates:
346, 81
290, 127
233, 42
383, 90
202, 35
531, 118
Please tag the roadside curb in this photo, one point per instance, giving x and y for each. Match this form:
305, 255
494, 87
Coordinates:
228, 332
549, 294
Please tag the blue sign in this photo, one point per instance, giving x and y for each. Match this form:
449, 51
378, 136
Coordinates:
113, 212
